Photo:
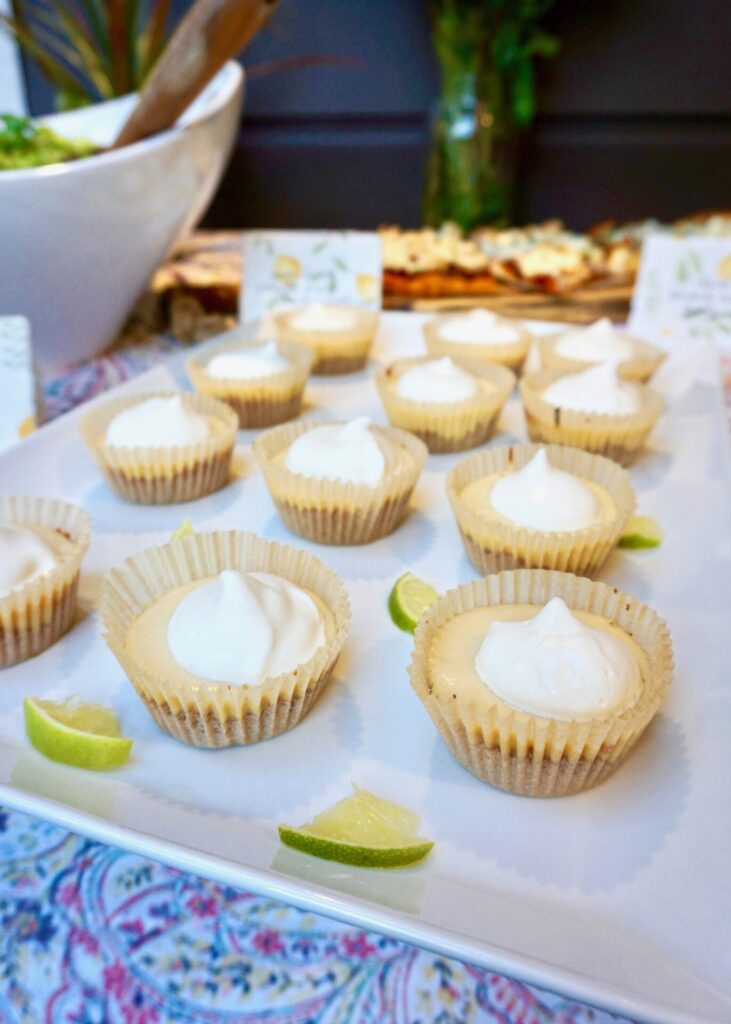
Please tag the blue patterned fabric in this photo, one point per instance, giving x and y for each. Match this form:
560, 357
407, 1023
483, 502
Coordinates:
94, 935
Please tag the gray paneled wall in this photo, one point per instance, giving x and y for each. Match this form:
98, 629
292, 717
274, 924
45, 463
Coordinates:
635, 115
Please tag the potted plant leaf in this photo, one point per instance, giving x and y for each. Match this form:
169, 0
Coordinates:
91, 49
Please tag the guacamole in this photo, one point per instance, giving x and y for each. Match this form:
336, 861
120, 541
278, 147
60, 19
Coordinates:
23, 143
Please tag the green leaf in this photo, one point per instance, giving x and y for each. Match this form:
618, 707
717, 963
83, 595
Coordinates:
64, 100
82, 46
524, 100
542, 44
94, 15
506, 47
58, 74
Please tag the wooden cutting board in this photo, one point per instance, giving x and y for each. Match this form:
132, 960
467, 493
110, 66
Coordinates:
601, 298
208, 267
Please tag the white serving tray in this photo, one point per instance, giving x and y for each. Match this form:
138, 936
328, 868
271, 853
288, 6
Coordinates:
620, 897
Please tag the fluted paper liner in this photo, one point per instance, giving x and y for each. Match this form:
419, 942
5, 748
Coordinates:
448, 426
512, 355
621, 438
259, 401
34, 616
494, 544
221, 714
333, 512
335, 352
639, 367
527, 754
162, 476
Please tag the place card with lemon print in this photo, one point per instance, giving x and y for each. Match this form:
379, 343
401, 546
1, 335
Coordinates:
683, 291
292, 268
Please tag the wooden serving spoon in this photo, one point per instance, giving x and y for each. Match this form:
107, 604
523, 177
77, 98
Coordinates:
212, 32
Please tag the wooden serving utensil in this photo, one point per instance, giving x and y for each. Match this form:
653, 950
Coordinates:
211, 33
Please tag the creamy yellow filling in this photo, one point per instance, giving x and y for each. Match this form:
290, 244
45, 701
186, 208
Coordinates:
146, 639
451, 656
476, 497
395, 457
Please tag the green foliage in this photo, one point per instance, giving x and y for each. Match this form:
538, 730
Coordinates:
90, 49
25, 143
500, 37
486, 50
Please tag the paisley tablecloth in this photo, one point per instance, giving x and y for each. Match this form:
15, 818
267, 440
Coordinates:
95, 935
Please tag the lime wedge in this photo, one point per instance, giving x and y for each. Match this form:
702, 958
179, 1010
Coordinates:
408, 601
641, 532
362, 829
185, 529
72, 732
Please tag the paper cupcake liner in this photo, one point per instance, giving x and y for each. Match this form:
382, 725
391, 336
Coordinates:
161, 476
639, 368
332, 512
447, 426
493, 545
335, 352
34, 616
221, 714
511, 356
527, 754
620, 438
258, 402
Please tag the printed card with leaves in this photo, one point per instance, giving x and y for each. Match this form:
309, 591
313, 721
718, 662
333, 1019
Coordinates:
17, 380
683, 291
291, 268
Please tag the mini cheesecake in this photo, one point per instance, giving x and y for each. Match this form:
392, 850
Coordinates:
450, 404
540, 683
227, 638
594, 410
340, 337
262, 382
42, 544
161, 448
578, 348
479, 334
340, 483
539, 507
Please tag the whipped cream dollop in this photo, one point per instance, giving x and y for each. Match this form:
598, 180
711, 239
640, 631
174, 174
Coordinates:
244, 627
542, 497
348, 452
555, 666
24, 556
158, 423
596, 343
596, 390
319, 317
438, 380
478, 327
248, 363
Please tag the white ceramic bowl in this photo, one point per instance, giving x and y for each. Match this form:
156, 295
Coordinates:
79, 241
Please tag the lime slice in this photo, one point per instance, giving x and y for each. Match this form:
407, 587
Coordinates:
362, 829
641, 532
408, 601
186, 529
84, 735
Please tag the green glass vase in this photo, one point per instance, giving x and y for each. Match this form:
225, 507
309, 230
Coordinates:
471, 164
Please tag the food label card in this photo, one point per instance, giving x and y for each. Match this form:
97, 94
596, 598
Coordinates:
290, 268
683, 292
17, 380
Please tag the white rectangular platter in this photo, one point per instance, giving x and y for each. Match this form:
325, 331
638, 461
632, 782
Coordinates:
619, 897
